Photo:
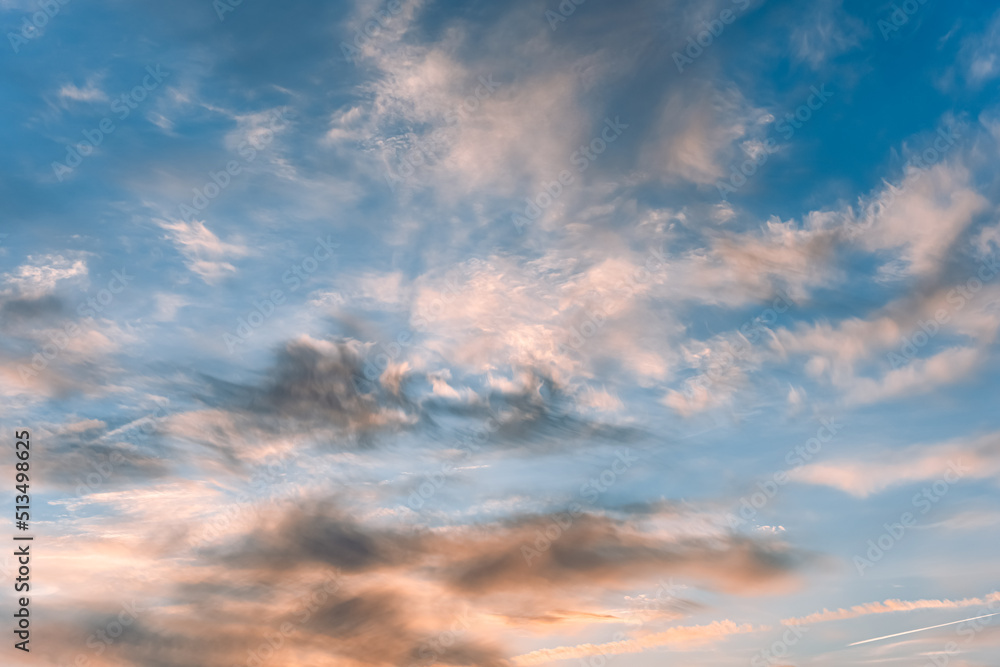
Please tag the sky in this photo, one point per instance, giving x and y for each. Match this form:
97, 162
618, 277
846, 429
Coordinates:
443, 332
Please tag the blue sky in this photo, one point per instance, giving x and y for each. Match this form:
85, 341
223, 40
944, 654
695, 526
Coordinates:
639, 333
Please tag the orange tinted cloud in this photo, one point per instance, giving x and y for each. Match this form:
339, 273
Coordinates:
890, 606
681, 636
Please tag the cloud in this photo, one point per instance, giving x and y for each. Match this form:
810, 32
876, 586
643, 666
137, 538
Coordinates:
825, 32
977, 458
399, 592
677, 638
558, 319
953, 328
204, 252
980, 54
43, 273
601, 399
89, 93
782, 255
322, 382
696, 134
505, 557
920, 376
324, 535
700, 398
167, 306
51, 347
924, 217
18, 312
890, 607
596, 550
551, 346
514, 134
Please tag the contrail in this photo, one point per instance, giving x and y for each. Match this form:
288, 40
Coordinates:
909, 632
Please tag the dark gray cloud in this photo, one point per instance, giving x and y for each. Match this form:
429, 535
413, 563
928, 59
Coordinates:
319, 385
539, 416
315, 385
322, 534
90, 460
526, 553
25, 310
